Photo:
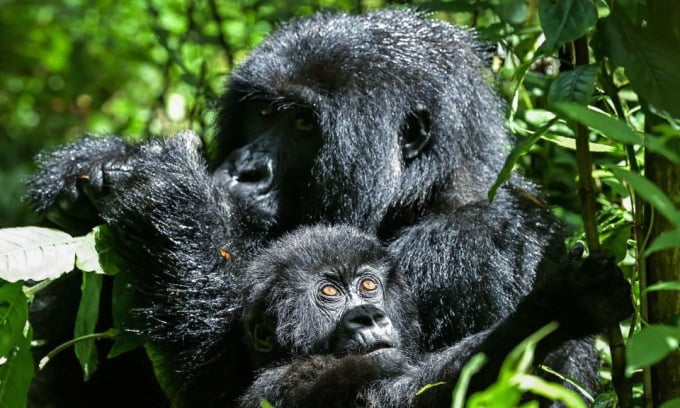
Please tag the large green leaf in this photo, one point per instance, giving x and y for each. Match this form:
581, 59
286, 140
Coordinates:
665, 240
36, 253
565, 20
86, 322
613, 128
650, 192
650, 345
16, 371
576, 85
95, 254
649, 57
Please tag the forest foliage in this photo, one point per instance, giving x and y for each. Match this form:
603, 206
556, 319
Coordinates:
593, 94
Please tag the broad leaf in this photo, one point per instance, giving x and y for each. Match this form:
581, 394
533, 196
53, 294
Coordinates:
649, 57
13, 316
565, 20
608, 126
650, 192
16, 370
674, 403
650, 345
665, 240
124, 300
86, 322
576, 85
613, 128
36, 253
94, 254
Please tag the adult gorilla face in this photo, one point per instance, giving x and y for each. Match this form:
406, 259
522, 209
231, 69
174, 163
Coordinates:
272, 156
397, 118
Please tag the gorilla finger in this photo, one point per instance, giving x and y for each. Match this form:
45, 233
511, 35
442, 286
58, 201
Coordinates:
576, 253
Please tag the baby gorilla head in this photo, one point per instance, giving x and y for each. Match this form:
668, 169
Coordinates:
327, 290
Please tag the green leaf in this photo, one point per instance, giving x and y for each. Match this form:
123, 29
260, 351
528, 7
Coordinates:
86, 322
470, 368
650, 345
13, 316
265, 404
36, 253
518, 151
648, 191
565, 20
671, 285
551, 391
608, 126
16, 369
674, 403
576, 85
124, 299
665, 240
612, 128
17, 372
649, 57
94, 254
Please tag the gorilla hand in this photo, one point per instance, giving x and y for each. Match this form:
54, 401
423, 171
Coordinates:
73, 180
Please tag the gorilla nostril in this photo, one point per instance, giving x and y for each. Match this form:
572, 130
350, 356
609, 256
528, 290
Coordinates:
362, 320
252, 176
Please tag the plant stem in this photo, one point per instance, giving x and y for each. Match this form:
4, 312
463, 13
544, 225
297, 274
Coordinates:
587, 199
109, 334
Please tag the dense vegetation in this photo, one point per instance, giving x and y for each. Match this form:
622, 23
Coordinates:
593, 94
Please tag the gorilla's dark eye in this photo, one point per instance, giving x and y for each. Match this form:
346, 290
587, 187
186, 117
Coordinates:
266, 110
368, 285
330, 291
304, 123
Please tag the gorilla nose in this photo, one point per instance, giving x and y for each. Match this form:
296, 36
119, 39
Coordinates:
364, 316
251, 171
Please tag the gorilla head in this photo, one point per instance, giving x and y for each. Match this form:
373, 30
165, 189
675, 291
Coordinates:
327, 290
347, 119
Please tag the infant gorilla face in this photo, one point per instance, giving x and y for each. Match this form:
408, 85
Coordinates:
327, 290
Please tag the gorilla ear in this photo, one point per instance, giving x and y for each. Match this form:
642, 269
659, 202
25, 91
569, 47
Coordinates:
415, 132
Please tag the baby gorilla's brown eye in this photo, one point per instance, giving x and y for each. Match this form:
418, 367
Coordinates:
368, 285
330, 290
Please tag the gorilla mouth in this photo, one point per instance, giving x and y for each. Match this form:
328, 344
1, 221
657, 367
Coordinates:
381, 345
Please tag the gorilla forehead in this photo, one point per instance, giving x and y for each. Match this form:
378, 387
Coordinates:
332, 53
309, 254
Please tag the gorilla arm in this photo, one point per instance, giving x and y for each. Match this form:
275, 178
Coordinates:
182, 243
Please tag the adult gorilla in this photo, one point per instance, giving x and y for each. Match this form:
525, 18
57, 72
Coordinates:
386, 122
322, 317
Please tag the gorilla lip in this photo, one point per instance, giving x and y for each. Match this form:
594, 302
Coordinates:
382, 345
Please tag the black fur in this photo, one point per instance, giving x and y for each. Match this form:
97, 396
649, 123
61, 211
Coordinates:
408, 138
202, 305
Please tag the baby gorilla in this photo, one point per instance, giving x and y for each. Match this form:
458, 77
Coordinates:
335, 300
